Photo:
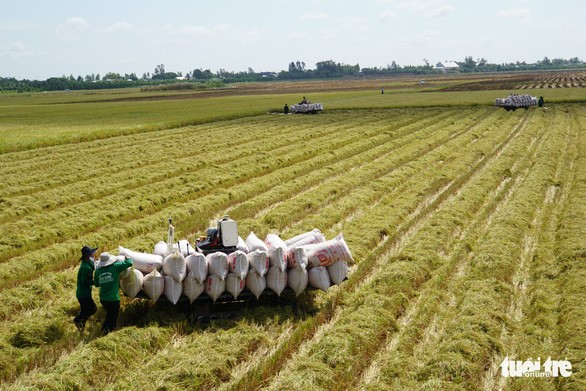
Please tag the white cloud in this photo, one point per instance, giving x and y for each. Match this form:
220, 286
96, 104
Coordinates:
118, 27
513, 13
248, 36
428, 35
175, 31
183, 34
130, 61
15, 50
315, 16
354, 24
388, 15
17, 26
72, 28
427, 8
425, 38
441, 11
75, 23
298, 35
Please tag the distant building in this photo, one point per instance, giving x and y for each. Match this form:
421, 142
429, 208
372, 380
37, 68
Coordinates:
447, 66
268, 74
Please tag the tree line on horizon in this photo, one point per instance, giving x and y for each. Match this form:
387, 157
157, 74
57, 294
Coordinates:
297, 70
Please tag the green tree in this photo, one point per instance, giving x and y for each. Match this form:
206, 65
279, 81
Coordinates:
113, 76
159, 70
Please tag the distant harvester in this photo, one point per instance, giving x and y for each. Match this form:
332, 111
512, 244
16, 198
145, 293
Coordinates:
306, 108
514, 102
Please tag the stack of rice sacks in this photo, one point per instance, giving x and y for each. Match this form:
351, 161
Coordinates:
172, 271
313, 260
162, 273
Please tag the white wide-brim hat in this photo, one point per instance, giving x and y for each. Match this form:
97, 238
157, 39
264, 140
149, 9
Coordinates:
106, 259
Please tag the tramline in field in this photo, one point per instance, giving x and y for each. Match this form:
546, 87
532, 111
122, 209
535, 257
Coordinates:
223, 267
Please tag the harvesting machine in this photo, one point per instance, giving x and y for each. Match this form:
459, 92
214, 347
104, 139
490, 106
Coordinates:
514, 102
223, 272
223, 238
306, 107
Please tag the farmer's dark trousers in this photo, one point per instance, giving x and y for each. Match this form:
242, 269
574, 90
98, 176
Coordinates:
112, 308
87, 309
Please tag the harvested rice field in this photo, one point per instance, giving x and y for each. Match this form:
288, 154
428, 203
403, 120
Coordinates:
465, 222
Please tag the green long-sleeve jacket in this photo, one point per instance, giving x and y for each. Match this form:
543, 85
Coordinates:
108, 279
85, 279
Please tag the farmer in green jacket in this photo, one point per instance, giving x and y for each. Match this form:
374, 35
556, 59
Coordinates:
85, 281
108, 279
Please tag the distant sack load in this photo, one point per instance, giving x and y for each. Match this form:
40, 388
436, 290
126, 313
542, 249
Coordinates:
513, 102
307, 108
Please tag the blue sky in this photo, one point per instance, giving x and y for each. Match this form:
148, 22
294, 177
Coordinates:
40, 39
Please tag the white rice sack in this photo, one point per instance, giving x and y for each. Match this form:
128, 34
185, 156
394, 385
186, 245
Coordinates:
174, 266
259, 261
218, 265
162, 249
126, 272
327, 253
255, 283
338, 272
277, 258
153, 285
319, 278
296, 258
192, 288
276, 279
313, 236
238, 263
131, 284
235, 284
297, 280
255, 243
173, 289
274, 241
144, 262
215, 286
242, 245
185, 248
197, 264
